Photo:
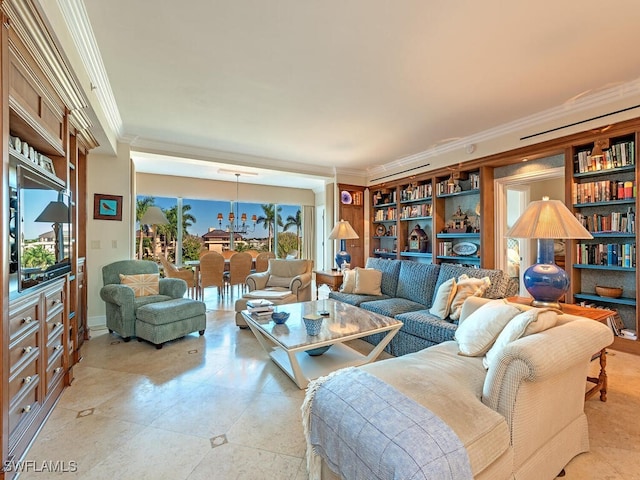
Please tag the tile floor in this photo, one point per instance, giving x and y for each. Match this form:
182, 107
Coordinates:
215, 407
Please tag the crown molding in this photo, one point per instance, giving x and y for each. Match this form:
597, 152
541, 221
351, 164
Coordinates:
77, 20
236, 159
577, 105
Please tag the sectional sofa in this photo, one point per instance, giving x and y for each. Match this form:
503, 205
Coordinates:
407, 291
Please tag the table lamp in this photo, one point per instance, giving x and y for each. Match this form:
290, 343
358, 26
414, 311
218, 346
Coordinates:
343, 231
547, 220
153, 216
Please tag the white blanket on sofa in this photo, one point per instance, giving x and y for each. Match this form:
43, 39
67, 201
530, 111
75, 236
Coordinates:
366, 429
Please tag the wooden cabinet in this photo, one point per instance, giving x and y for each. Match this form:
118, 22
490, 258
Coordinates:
351, 208
415, 233
44, 309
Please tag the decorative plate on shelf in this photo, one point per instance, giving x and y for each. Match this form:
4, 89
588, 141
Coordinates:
381, 230
465, 248
345, 197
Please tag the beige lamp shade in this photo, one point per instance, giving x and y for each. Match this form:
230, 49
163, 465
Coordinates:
154, 216
343, 231
547, 219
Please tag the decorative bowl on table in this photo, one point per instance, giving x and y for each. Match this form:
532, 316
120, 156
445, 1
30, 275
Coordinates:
318, 351
313, 324
611, 292
280, 317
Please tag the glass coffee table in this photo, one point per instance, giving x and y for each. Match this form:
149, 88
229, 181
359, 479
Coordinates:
301, 355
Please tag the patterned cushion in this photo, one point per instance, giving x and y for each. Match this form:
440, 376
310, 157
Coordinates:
424, 325
355, 299
142, 284
417, 282
392, 306
499, 281
390, 271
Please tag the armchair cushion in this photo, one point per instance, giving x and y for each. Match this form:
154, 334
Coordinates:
478, 332
142, 284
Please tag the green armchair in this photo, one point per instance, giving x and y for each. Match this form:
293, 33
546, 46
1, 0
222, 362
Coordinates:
120, 300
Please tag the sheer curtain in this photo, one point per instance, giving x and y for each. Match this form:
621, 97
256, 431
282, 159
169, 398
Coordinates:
308, 231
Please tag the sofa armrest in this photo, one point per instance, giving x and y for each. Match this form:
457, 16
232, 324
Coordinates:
299, 282
173, 287
257, 281
543, 357
117, 294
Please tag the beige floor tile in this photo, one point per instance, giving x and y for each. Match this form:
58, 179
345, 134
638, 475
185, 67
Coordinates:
245, 463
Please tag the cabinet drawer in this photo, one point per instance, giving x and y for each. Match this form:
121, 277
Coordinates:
23, 318
24, 348
54, 372
23, 379
25, 407
54, 324
54, 303
54, 347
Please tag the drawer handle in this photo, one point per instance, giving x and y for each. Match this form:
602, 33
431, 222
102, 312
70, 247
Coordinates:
56, 302
57, 347
57, 324
28, 379
27, 319
27, 349
26, 409
57, 370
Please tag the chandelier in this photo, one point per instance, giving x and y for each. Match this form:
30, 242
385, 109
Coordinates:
233, 226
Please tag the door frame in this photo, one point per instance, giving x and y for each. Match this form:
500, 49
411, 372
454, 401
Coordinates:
500, 199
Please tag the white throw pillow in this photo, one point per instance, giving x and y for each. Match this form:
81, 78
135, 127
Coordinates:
348, 281
478, 332
467, 287
526, 323
442, 301
368, 281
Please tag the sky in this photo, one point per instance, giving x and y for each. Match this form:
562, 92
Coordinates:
206, 214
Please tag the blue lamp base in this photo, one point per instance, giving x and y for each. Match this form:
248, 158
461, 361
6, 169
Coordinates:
545, 281
342, 256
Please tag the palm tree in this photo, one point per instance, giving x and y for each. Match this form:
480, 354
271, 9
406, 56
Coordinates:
142, 204
268, 220
295, 221
170, 230
38, 256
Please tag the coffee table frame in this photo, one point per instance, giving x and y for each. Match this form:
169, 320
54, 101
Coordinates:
302, 367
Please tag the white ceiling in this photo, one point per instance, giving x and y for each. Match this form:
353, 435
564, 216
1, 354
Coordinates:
325, 86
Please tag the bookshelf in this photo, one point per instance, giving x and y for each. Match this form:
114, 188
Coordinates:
603, 197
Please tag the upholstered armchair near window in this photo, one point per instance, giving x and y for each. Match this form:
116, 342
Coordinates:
139, 285
293, 275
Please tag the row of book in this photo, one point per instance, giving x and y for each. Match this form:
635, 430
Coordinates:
413, 211
603, 191
447, 187
608, 254
615, 222
416, 192
384, 214
618, 155
618, 328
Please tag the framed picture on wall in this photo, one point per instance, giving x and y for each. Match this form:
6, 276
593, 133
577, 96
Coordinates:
107, 207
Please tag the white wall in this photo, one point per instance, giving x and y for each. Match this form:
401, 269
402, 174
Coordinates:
107, 240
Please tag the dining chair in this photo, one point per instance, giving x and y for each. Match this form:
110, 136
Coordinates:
227, 254
212, 272
239, 269
186, 274
262, 261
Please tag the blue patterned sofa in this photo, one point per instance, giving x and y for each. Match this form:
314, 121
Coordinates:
408, 289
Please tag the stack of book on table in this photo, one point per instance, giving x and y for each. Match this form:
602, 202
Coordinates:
260, 307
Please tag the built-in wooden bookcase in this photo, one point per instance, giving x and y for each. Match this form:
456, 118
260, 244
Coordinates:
384, 221
415, 232
602, 194
351, 208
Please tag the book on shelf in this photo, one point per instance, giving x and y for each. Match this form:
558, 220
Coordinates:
620, 154
615, 323
603, 191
